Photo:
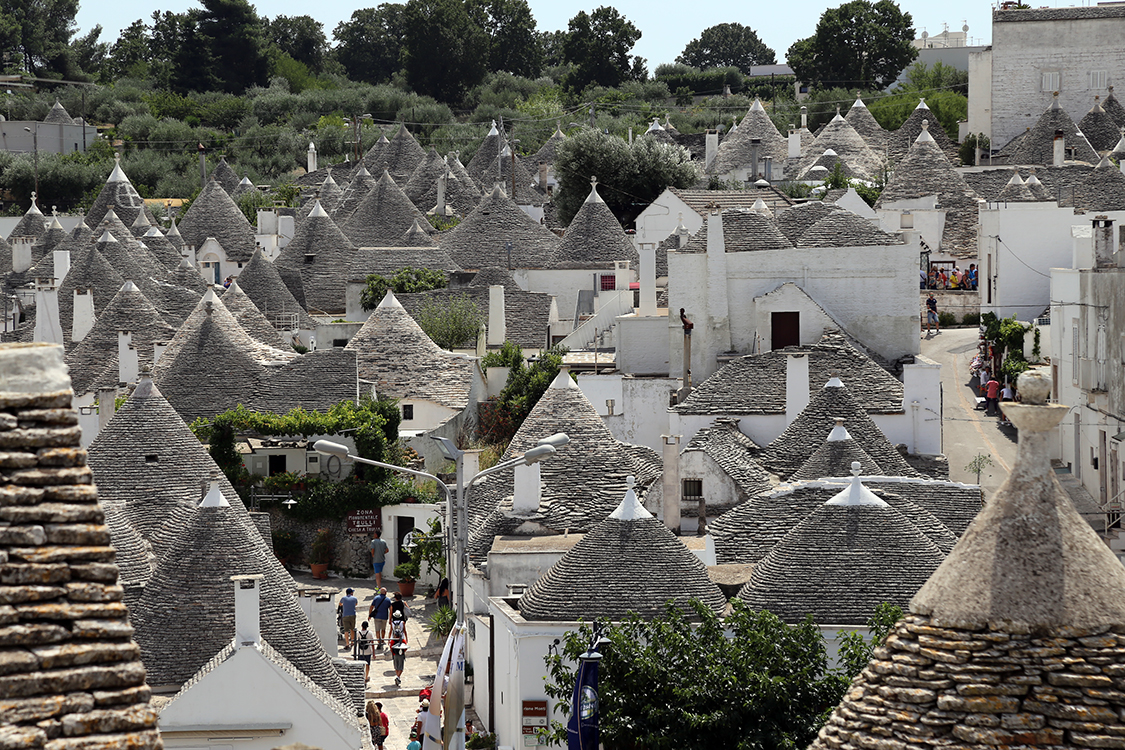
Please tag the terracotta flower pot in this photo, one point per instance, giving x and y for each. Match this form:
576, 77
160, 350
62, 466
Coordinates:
406, 588
319, 570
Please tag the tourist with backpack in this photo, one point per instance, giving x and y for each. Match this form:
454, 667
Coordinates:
398, 640
364, 642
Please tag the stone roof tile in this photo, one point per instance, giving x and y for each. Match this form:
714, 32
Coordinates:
214, 213
480, 240
383, 216
264, 285
320, 254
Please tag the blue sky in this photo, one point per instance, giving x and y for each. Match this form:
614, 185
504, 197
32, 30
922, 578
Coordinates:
666, 26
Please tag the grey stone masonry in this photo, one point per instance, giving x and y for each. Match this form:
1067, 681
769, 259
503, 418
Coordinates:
70, 673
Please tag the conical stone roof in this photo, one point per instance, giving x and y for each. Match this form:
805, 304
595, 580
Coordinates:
173, 236
214, 214
321, 254
805, 434
401, 156
373, 159
119, 193
245, 187
1015, 191
845, 229
735, 150
860, 118
353, 194
1099, 128
140, 225
161, 248
840, 137
461, 193
48, 241
1037, 188
426, 173
250, 317
328, 194
58, 115
795, 221
594, 237
90, 270
924, 171
826, 164
33, 224
525, 194
1030, 598
417, 236
546, 153
838, 564
1102, 189
129, 310
834, 458
744, 230
263, 284
1114, 109
382, 217
1038, 145
611, 572
900, 141
480, 240
225, 176
186, 614
486, 156
401, 361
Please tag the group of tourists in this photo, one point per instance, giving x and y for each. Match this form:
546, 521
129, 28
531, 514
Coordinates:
941, 277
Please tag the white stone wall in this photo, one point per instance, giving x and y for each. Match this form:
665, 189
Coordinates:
980, 91
1022, 51
642, 343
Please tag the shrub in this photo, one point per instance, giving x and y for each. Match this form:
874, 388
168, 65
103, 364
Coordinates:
286, 545
947, 319
441, 621
320, 553
971, 319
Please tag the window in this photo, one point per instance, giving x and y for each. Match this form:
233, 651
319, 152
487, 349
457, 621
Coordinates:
407, 412
1095, 79
693, 489
609, 283
1051, 81
152, 458
277, 464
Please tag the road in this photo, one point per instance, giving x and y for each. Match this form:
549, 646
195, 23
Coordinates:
966, 431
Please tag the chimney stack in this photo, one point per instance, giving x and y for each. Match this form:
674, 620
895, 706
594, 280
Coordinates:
497, 323
796, 384
1060, 149
128, 359
804, 118
1104, 242
21, 253
247, 610
671, 499
442, 181
527, 491
311, 158
544, 168
83, 318
47, 326
648, 279
62, 265
711, 139
754, 144
794, 144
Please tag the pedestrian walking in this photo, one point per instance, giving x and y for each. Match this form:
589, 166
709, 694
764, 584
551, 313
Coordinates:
399, 642
379, 612
398, 605
379, 723
931, 313
442, 593
992, 397
347, 616
378, 552
364, 646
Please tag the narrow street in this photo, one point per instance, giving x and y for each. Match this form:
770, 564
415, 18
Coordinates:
967, 431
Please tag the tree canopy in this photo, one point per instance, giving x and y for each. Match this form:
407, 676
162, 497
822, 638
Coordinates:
598, 45
300, 37
369, 46
444, 52
861, 44
727, 44
513, 43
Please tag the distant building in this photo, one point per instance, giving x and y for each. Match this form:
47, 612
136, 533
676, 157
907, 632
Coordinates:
57, 134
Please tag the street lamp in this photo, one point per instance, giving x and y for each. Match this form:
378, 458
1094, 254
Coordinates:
35, 147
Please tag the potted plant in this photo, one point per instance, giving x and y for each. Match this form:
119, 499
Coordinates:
286, 546
320, 554
407, 575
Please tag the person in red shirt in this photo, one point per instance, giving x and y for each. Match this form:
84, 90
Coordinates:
992, 397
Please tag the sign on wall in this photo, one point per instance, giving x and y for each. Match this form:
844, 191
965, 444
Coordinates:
365, 521
534, 718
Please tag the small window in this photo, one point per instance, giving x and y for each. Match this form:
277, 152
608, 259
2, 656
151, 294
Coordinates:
1096, 79
407, 412
609, 283
152, 458
1051, 81
906, 220
339, 343
313, 458
693, 489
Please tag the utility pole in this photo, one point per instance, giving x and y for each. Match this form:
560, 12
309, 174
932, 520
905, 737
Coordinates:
202, 166
35, 147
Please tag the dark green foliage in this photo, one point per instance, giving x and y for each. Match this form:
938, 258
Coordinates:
285, 544
727, 44
513, 43
629, 176
598, 45
441, 621
444, 52
370, 44
37, 33
453, 323
404, 281
861, 44
968, 149
300, 37
697, 81
973, 319
855, 650
232, 35
526, 385
947, 319
748, 681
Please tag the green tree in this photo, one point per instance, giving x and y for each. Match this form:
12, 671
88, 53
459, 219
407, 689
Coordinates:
629, 176
860, 44
131, 53
922, 79
232, 32
369, 46
444, 52
513, 43
300, 37
90, 53
525, 386
855, 650
748, 681
597, 45
727, 44
453, 323
404, 281
37, 34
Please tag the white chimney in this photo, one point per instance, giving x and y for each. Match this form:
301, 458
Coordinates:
497, 324
470, 463
528, 490
62, 265
671, 499
21, 253
107, 406
1060, 149
439, 209
47, 326
621, 275
83, 319
804, 118
794, 144
711, 147
1104, 241
647, 253
796, 385
311, 158
247, 610
128, 361
158, 348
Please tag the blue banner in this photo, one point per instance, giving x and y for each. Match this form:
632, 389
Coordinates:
582, 731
